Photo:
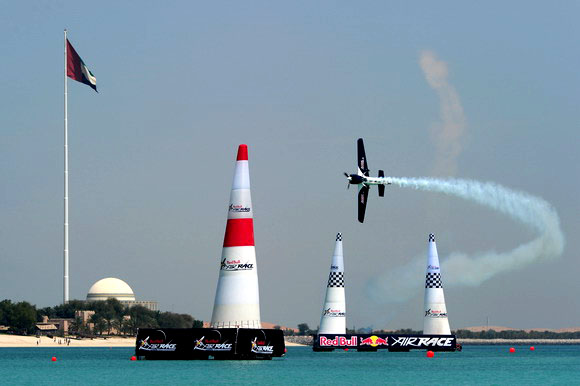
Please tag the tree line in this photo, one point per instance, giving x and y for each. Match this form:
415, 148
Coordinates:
20, 317
110, 316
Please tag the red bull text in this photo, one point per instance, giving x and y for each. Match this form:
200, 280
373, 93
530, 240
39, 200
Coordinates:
338, 341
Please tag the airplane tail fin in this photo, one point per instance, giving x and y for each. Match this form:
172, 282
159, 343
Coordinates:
381, 187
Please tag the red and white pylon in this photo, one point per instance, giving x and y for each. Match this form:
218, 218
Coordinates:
237, 298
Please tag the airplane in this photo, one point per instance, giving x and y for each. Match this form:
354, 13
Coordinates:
363, 180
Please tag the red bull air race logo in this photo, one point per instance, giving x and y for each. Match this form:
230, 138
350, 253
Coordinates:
239, 208
374, 341
260, 347
157, 343
333, 313
435, 313
235, 265
211, 345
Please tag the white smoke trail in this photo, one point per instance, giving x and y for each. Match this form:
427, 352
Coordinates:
447, 135
459, 269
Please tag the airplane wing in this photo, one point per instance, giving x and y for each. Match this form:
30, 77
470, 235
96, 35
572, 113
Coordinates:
363, 195
362, 157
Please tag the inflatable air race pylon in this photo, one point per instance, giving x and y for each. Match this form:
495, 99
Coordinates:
435, 321
237, 298
333, 319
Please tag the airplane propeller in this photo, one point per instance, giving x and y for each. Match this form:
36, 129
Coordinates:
348, 182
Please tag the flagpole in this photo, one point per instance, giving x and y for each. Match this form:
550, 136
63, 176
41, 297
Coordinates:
65, 252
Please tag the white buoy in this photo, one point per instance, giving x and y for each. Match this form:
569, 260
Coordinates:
435, 321
237, 298
333, 319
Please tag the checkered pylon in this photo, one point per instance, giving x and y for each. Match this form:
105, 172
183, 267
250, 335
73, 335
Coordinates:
336, 279
433, 280
431, 237
339, 237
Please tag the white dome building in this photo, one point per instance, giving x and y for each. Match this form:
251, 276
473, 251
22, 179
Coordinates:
111, 287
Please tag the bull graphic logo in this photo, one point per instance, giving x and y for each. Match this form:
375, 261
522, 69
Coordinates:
374, 341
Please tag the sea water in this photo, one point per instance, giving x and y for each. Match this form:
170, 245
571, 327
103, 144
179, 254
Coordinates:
474, 365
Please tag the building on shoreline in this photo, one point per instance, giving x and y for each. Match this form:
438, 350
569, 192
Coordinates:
53, 326
113, 288
102, 290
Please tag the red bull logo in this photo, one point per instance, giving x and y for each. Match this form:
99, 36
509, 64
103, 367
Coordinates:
374, 341
338, 341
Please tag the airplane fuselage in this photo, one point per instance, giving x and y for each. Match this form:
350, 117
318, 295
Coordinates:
357, 179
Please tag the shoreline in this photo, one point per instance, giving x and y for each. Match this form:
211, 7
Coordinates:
15, 341
497, 342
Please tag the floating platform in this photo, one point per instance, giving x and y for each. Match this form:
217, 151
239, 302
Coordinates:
374, 342
203, 343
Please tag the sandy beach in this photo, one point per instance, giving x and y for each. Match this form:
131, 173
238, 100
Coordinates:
32, 341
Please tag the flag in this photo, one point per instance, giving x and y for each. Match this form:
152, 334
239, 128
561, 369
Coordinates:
76, 69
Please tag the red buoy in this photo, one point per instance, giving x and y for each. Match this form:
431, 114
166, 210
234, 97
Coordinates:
532, 348
512, 350
430, 354
346, 349
53, 359
133, 358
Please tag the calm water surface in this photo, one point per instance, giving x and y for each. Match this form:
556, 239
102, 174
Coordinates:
475, 365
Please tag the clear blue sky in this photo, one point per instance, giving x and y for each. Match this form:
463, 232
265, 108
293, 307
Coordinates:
181, 84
